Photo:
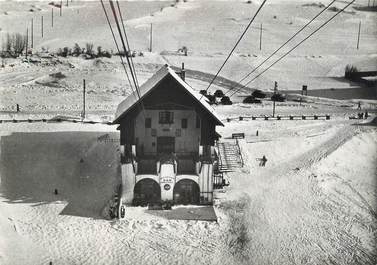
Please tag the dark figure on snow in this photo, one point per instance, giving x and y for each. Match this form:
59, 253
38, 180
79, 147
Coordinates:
263, 161
18, 107
359, 105
366, 115
122, 211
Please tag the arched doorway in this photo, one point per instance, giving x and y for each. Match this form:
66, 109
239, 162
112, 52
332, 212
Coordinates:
186, 191
146, 191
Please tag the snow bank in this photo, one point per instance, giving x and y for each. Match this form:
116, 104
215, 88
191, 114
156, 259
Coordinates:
309, 205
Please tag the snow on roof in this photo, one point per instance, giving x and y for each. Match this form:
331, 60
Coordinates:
151, 83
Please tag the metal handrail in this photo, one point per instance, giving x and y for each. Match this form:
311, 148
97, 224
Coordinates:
239, 152
219, 160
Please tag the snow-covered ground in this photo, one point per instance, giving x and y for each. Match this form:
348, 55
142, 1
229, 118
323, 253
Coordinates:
313, 203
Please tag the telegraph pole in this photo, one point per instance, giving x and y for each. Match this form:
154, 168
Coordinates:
42, 25
27, 41
61, 7
260, 37
150, 38
52, 17
275, 89
32, 35
358, 35
83, 110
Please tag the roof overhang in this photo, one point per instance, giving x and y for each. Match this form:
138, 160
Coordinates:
132, 100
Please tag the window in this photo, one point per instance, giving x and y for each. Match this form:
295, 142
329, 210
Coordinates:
197, 121
166, 117
184, 124
148, 123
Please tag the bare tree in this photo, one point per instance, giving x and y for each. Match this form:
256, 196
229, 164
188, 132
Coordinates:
8, 43
89, 48
99, 51
19, 43
76, 50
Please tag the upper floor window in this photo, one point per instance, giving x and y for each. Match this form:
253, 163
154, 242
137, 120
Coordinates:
148, 122
184, 123
166, 117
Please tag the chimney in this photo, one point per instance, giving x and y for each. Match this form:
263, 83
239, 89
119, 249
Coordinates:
183, 72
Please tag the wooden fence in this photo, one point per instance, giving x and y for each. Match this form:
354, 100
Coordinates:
278, 117
53, 121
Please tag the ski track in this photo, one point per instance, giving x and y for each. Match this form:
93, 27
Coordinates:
276, 224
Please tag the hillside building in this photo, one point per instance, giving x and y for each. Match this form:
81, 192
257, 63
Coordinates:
167, 137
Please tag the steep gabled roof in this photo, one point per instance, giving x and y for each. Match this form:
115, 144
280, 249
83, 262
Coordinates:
151, 83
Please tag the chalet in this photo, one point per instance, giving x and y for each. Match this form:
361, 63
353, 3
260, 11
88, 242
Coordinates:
167, 137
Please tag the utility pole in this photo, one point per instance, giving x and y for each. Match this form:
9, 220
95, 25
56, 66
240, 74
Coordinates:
67, 3
358, 35
150, 38
304, 90
260, 37
368, 2
32, 33
42, 25
52, 17
27, 41
61, 7
275, 89
83, 110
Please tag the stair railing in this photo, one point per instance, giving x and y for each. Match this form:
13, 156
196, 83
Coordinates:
219, 158
239, 152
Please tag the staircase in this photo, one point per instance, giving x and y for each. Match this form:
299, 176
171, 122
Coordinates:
230, 156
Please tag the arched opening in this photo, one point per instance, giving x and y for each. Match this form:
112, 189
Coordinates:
186, 191
146, 191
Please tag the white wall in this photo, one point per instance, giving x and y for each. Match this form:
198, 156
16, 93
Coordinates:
167, 177
206, 181
128, 182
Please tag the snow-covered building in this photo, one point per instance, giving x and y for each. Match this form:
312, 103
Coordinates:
167, 137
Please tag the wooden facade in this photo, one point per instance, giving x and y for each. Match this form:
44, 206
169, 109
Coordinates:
168, 95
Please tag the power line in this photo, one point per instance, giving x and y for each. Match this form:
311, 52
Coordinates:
124, 47
285, 43
128, 44
324, 24
117, 46
133, 74
234, 47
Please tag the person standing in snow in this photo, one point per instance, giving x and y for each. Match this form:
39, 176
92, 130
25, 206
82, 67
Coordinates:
263, 161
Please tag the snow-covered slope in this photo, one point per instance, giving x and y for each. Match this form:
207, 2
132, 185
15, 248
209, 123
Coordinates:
313, 203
